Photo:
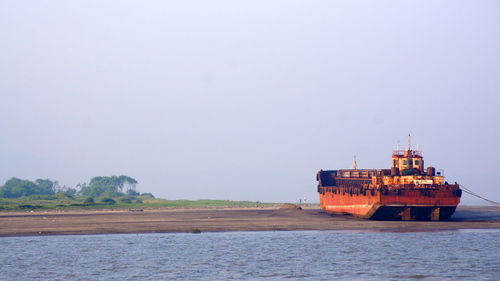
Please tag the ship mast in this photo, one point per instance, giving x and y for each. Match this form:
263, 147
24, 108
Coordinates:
409, 142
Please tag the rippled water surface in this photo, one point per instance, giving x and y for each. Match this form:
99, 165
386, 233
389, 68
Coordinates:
313, 255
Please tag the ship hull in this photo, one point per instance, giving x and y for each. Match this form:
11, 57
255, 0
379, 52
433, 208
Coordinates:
396, 204
404, 192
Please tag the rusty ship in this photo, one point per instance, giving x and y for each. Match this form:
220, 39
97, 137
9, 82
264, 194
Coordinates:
404, 192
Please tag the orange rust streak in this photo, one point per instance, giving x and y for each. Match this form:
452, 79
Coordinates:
359, 205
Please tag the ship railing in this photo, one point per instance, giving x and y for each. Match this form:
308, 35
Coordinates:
403, 152
357, 173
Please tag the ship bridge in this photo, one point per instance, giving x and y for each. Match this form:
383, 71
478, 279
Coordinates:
408, 161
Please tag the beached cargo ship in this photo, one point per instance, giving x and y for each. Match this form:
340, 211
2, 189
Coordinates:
404, 192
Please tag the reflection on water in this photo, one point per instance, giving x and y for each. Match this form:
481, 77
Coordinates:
314, 255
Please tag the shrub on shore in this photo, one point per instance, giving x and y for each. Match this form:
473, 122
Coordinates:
41, 197
125, 200
147, 194
108, 200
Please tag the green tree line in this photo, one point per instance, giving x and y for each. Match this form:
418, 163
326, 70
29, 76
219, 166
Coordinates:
112, 186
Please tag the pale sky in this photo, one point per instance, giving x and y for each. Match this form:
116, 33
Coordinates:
247, 100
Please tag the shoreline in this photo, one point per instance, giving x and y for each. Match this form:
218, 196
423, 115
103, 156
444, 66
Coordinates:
220, 219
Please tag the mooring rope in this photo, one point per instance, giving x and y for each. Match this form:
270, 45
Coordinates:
478, 196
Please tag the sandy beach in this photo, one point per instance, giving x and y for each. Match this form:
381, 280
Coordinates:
224, 219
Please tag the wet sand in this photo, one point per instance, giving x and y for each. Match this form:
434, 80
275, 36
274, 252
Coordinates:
225, 219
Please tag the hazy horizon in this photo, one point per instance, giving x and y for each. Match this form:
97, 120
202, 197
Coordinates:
247, 100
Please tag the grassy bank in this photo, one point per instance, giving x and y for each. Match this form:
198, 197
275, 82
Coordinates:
82, 202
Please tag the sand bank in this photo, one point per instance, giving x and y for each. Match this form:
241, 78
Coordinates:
224, 219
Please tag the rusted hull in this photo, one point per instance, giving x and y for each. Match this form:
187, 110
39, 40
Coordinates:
397, 204
363, 206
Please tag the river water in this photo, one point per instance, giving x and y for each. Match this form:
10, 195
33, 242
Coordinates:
290, 255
